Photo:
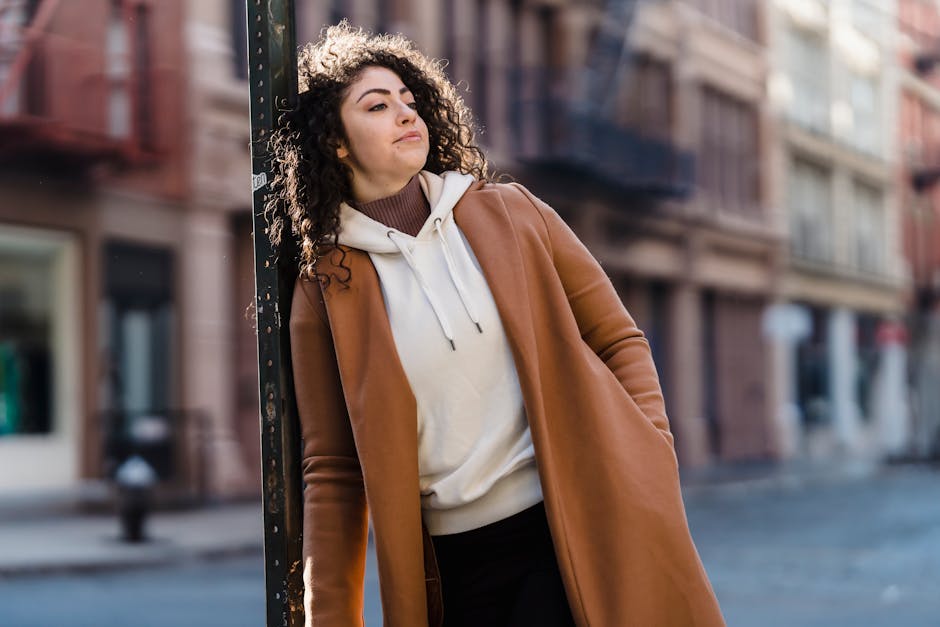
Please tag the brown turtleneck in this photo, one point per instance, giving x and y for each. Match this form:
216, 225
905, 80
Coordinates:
406, 211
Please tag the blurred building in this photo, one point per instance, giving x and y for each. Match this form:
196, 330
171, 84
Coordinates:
117, 256
726, 160
732, 164
834, 90
919, 146
645, 125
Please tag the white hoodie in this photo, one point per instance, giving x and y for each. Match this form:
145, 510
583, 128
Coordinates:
475, 456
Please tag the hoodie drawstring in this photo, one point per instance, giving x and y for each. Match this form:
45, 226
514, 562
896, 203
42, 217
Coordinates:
455, 277
435, 306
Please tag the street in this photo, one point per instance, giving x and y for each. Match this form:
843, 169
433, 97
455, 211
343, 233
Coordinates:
860, 553
227, 592
864, 553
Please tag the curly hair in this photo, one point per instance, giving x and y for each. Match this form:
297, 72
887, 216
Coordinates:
309, 181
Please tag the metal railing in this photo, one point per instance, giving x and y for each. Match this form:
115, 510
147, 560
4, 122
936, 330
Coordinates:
65, 100
554, 132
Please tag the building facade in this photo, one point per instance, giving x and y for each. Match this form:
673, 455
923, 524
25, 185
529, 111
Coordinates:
918, 131
834, 89
117, 251
644, 125
735, 189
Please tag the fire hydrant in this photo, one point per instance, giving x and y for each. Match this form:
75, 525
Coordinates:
135, 480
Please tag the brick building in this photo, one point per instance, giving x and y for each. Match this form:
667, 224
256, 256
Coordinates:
654, 157
660, 130
919, 147
116, 280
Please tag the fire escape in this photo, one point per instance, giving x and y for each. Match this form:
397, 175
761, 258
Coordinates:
582, 133
70, 98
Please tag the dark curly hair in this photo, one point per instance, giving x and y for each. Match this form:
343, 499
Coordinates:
309, 181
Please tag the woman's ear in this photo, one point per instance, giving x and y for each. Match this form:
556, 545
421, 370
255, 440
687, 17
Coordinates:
342, 152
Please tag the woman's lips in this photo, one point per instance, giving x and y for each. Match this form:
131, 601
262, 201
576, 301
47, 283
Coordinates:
413, 136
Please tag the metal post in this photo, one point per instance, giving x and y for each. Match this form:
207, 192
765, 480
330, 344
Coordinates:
272, 77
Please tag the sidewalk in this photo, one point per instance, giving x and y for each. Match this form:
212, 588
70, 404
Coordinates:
58, 538
76, 542
758, 476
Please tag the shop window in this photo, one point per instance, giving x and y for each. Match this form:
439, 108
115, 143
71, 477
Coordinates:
26, 339
866, 368
812, 372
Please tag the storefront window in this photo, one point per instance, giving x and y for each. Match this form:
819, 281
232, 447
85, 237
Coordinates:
26, 363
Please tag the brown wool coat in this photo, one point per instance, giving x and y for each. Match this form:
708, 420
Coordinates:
592, 397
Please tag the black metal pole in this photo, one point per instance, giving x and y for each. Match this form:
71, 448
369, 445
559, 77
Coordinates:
272, 77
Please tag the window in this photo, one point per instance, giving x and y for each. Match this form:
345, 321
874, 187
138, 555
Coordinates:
138, 316
869, 229
516, 78
382, 16
449, 18
481, 68
807, 61
912, 136
118, 71
737, 15
647, 104
239, 38
27, 355
811, 225
919, 20
728, 164
866, 122
338, 11
813, 368
143, 70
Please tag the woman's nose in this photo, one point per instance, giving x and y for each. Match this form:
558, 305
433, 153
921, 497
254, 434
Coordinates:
406, 113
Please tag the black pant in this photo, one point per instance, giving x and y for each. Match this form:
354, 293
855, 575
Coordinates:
503, 575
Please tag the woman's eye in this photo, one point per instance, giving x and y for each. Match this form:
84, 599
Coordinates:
377, 107
413, 105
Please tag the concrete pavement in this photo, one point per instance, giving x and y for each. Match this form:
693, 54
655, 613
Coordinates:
53, 537
790, 553
75, 542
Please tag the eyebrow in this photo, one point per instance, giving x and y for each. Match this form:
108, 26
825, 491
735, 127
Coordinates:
381, 91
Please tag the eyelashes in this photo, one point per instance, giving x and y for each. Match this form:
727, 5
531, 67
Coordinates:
382, 106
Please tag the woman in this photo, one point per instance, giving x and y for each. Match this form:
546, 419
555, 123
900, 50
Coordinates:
464, 373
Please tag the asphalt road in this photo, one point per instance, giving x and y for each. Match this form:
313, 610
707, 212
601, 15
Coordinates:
858, 553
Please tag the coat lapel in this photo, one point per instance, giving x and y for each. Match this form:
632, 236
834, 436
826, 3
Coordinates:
383, 415
485, 221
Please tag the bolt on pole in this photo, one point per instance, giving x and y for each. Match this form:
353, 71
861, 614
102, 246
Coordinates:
272, 77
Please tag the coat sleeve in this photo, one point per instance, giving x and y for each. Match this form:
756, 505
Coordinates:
335, 520
605, 324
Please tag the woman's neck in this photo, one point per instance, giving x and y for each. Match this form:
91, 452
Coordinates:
365, 191
407, 210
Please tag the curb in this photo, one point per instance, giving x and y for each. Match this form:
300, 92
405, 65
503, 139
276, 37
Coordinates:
176, 557
786, 478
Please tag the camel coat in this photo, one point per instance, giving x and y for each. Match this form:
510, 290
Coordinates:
593, 401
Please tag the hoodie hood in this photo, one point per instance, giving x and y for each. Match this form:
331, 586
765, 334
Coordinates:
443, 192
390, 246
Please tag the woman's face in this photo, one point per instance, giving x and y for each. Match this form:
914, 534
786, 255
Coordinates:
386, 140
